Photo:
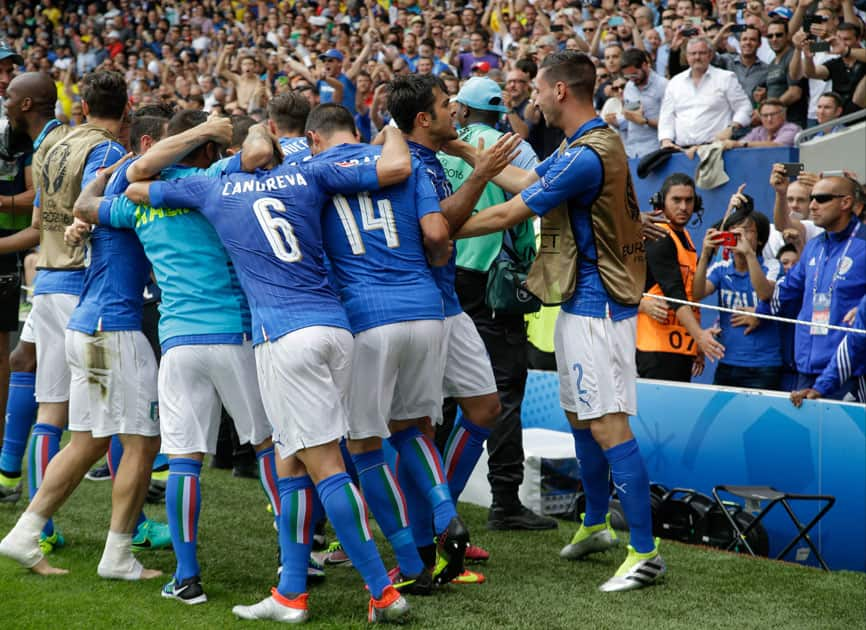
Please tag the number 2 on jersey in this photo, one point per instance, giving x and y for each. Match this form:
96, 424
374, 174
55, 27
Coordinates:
369, 221
277, 230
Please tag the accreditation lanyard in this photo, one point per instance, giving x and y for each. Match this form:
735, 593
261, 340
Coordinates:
821, 302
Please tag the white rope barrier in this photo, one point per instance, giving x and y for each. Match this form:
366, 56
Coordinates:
774, 318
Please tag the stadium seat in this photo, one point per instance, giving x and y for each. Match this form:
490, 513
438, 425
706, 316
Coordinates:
756, 495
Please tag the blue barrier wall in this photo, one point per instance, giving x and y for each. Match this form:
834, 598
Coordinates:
698, 437
742, 165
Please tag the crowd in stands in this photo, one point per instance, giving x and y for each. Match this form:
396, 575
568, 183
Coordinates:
744, 75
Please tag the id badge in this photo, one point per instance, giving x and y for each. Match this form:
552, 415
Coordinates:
820, 314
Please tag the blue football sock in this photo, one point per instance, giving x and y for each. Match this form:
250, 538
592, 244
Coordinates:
595, 474
182, 506
44, 445
20, 415
424, 464
348, 515
464, 447
420, 512
299, 512
269, 481
113, 457
631, 481
348, 463
388, 505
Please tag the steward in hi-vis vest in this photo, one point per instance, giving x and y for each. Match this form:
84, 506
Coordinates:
671, 336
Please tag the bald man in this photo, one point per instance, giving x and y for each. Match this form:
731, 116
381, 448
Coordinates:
30, 100
791, 222
828, 281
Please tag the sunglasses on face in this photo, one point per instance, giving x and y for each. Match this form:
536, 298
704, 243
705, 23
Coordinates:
825, 197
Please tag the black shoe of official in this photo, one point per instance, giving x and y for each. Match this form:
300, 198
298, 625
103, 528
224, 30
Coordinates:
245, 470
518, 517
451, 545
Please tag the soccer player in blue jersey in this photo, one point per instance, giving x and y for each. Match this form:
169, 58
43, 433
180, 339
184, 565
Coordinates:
149, 125
287, 115
207, 359
376, 245
70, 164
419, 106
270, 223
595, 331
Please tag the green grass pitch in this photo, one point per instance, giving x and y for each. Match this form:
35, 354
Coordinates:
527, 586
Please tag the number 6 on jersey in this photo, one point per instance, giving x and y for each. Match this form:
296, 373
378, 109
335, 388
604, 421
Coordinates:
278, 230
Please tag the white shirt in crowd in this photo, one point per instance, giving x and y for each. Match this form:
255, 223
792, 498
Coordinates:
695, 114
817, 87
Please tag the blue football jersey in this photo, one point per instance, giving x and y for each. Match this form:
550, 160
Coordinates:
574, 178
114, 280
202, 301
445, 275
376, 248
270, 223
295, 149
762, 346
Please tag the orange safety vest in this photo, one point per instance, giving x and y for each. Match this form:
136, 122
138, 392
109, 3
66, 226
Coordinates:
671, 336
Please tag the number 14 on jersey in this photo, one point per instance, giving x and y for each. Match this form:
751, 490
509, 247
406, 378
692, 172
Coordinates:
369, 221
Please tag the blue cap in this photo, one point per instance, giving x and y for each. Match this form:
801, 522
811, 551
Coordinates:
481, 93
7, 53
782, 12
332, 54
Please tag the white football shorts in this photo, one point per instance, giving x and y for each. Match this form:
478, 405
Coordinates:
465, 362
195, 381
113, 384
595, 358
304, 378
396, 375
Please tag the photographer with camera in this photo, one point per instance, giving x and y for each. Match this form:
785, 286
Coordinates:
753, 355
480, 104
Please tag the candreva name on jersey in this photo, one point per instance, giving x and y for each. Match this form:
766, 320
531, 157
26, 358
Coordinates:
276, 182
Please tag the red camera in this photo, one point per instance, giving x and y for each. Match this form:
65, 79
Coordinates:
728, 239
